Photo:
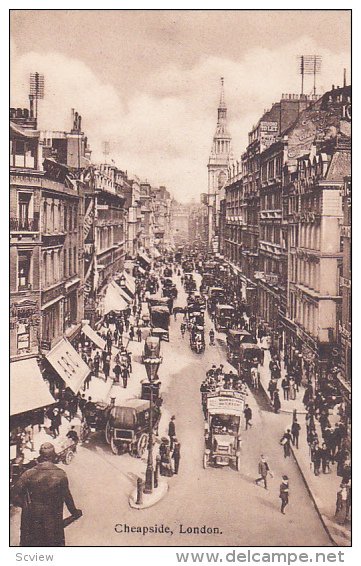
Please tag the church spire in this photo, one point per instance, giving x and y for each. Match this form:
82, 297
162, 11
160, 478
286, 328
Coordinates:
222, 111
222, 103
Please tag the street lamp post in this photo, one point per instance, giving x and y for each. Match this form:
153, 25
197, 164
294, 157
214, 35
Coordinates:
151, 366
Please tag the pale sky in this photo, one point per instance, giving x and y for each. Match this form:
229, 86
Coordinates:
148, 81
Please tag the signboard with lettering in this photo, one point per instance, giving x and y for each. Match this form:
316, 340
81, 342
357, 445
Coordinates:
268, 126
88, 219
220, 402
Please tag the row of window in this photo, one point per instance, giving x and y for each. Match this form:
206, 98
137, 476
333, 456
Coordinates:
56, 265
59, 217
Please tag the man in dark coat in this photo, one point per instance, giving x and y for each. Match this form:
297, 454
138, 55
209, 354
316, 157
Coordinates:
295, 431
55, 422
171, 431
117, 370
176, 454
284, 493
42, 492
248, 416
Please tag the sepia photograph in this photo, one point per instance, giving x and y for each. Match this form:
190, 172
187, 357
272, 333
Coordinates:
180, 279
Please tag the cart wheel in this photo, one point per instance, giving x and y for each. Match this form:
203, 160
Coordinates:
238, 463
69, 457
108, 435
142, 444
114, 447
205, 461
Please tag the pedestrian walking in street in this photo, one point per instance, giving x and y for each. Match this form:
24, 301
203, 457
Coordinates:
295, 431
211, 337
284, 493
104, 355
176, 454
247, 416
96, 364
55, 419
109, 341
81, 404
117, 370
286, 388
341, 504
316, 455
276, 402
325, 459
292, 393
286, 443
139, 334
41, 493
183, 329
106, 369
255, 377
129, 361
131, 334
272, 386
171, 432
264, 471
87, 381
125, 376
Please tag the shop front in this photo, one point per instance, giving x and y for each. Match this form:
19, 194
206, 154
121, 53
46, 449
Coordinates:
29, 398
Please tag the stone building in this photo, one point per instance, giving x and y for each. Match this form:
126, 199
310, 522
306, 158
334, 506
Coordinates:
25, 235
218, 165
345, 283
318, 159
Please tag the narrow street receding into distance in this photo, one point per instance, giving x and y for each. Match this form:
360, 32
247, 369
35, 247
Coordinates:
218, 498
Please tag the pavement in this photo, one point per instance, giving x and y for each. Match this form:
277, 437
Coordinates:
229, 503
323, 488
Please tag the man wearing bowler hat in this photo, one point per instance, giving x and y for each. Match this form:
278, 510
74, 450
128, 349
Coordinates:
41, 493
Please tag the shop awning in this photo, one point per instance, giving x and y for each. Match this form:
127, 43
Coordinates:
124, 294
68, 364
28, 390
93, 336
114, 299
155, 253
145, 258
130, 282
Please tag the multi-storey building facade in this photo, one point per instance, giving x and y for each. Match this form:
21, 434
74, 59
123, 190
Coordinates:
25, 236
147, 221
253, 236
313, 183
198, 222
162, 217
180, 221
46, 244
134, 216
345, 283
104, 230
